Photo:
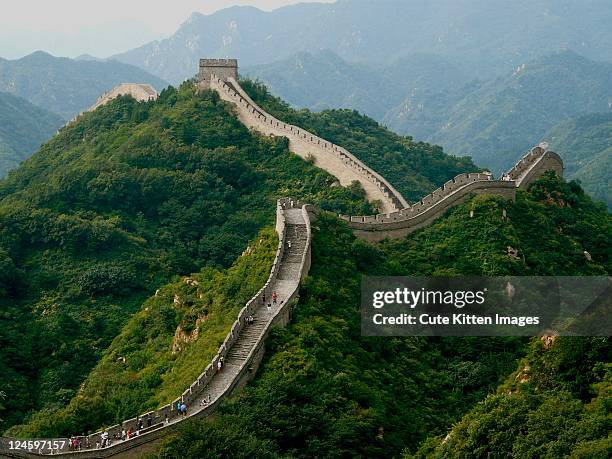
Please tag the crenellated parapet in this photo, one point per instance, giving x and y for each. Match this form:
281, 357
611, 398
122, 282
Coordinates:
243, 348
398, 224
240, 354
533, 164
222, 68
335, 159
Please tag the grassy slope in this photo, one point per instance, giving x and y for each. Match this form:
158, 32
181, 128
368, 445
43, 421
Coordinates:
163, 348
414, 168
131, 195
326, 391
110, 210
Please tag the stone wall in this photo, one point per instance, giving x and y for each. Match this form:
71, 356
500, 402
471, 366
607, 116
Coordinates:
533, 165
332, 158
139, 91
222, 68
165, 418
398, 224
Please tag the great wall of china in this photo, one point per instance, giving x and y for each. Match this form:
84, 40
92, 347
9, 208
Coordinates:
139, 91
397, 218
243, 347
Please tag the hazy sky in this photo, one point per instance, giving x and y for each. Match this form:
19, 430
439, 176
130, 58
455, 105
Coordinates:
99, 27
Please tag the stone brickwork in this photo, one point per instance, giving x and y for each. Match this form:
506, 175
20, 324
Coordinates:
242, 349
222, 68
398, 224
139, 91
332, 158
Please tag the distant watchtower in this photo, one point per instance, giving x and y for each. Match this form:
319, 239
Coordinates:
223, 68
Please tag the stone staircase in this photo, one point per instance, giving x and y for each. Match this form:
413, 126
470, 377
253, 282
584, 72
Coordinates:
241, 355
292, 262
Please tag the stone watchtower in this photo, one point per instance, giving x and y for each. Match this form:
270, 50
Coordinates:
223, 68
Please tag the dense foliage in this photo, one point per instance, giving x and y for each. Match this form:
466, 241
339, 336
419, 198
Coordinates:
557, 404
163, 348
413, 168
326, 391
136, 196
115, 206
585, 143
23, 128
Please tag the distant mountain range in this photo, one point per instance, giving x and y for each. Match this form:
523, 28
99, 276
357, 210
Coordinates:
585, 143
67, 86
497, 120
23, 128
483, 37
324, 80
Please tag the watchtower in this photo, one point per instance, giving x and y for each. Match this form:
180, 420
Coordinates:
223, 68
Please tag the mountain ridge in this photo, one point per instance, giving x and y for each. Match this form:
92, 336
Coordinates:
23, 128
352, 29
67, 86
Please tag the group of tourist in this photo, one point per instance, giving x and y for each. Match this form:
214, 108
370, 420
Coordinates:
77, 444
182, 408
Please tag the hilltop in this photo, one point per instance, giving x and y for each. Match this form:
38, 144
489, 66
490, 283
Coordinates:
124, 272
133, 194
23, 128
67, 86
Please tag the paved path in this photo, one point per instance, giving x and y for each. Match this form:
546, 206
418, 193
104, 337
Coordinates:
242, 353
323, 155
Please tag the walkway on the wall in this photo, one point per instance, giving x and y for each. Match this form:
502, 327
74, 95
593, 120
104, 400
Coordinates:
242, 349
332, 158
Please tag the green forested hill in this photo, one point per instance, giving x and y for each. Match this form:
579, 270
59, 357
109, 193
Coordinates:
585, 143
556, 404
126, 198
496, 121
99, 228
411, 167
326, 391
110, 210
67, 86
23, 128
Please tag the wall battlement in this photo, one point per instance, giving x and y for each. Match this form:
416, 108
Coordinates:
334, 159
219, 63
398, 224
212, 386
222, 68
295, 215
